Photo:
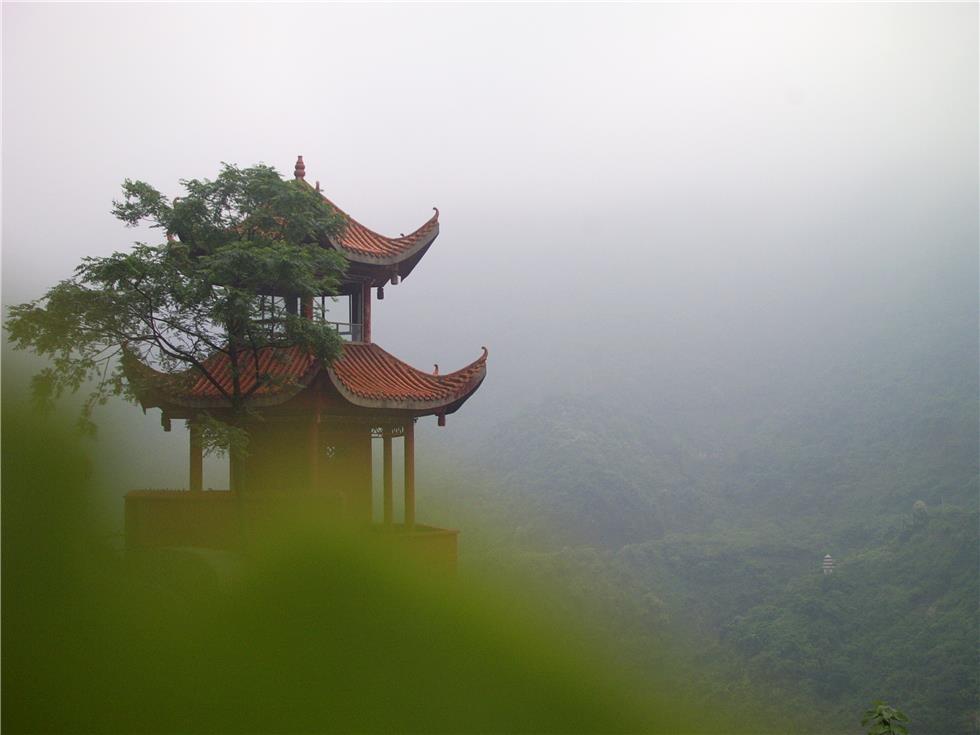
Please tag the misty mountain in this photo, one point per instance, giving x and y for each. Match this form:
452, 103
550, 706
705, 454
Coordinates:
858, 445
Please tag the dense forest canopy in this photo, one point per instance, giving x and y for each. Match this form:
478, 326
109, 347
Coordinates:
240, 250
706, 514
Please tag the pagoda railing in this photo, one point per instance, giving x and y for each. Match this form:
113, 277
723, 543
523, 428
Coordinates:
347, 330
219, 519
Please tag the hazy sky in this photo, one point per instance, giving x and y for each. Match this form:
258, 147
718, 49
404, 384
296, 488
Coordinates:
619, 184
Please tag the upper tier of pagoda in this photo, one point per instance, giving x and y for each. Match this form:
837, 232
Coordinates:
364, 380
375, 258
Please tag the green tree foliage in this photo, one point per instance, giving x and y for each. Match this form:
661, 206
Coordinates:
309, 632
898, 618
723, 513
238, 247
883, 719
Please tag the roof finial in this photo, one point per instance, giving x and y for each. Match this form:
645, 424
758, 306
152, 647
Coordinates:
435, 370
300, 171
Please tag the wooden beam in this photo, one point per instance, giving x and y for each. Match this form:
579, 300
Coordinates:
388, 495
366, 312
234, 467
410, 475
196, 457
313, 452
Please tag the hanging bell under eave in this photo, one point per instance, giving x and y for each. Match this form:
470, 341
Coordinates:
441, 419
381, 293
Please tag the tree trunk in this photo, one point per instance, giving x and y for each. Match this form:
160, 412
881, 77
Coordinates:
236, 471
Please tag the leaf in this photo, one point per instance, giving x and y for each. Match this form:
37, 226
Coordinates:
236, 240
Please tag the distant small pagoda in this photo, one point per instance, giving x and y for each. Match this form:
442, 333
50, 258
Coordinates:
828, 564
318, 422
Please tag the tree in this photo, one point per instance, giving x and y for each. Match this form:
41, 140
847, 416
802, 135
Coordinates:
241, 251
883, 719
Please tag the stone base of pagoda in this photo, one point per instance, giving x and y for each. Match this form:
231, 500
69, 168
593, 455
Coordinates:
205, 519
429, 545
217, 519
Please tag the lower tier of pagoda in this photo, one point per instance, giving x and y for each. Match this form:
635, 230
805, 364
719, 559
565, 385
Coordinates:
365, 380
314, 439
222, 521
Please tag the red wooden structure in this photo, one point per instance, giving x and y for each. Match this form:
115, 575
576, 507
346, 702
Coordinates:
314, 440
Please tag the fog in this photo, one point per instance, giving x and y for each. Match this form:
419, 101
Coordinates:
725, 260
635, 200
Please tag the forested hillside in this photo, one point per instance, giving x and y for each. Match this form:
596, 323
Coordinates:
697, 519
895, 622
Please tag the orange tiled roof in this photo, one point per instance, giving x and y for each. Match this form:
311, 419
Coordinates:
365, 375
359, 240
281, 367
366, 245
368, 372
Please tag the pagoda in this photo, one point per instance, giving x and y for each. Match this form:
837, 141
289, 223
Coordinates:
315, 438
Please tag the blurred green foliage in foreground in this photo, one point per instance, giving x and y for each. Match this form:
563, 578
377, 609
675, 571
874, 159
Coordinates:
311, 633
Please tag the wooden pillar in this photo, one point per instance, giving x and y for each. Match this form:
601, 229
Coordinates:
389, 504
409, 475
313, 452
307, 307
196, 457
366, 312
356, 304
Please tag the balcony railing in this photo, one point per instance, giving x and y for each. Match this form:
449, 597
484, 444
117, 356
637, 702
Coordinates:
348, 331
219, 519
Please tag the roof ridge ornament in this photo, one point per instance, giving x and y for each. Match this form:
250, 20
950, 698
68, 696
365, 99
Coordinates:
300, 170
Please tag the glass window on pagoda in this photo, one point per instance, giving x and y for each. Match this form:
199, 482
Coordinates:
348, 313
343, 313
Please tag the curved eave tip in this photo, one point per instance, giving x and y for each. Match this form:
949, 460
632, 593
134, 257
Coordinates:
479, 362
